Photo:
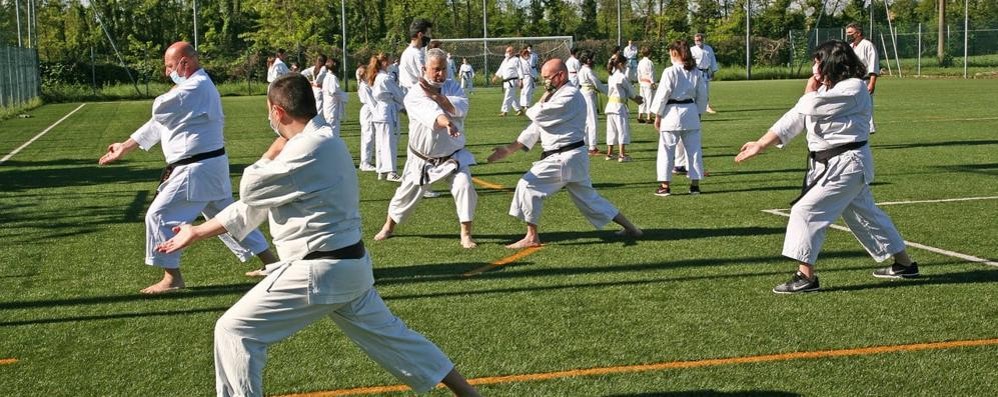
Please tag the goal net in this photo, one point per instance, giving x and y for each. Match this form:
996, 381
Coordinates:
486, 54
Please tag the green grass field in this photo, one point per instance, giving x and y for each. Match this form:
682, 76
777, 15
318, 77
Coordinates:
697, 287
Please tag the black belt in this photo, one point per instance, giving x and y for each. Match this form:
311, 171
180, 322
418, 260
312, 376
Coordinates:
679, 101
823, 157
434, 161
565, 148
193, 159
355, 251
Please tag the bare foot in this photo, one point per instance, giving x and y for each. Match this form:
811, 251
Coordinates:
468, 242
633, 233
525, 243
384, 234
257, 273
162, 287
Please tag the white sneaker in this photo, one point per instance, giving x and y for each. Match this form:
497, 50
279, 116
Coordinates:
367, 167
393, 177
431, 194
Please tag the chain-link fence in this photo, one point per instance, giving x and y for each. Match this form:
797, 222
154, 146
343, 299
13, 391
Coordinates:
913, 51
19, 81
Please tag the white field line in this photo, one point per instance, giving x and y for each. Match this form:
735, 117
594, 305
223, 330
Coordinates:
938, 201
7, 157
940, 251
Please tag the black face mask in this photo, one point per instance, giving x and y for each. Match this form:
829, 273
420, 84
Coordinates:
850, 37
426, 41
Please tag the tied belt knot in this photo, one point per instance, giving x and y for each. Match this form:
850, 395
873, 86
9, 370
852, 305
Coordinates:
424, 175
545, 154
354, 251
190, 160
822, 156
679, 101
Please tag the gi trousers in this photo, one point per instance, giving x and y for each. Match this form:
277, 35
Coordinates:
368, 142
569, 170
669, 143
843, 192
591, 119
527, 92
386, 140
618, 128
647, 94
282, 304
410, 192
509, 90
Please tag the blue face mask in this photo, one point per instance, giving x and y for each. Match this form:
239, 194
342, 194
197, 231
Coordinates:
177, 79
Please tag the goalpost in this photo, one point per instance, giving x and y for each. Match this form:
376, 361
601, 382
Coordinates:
485, 54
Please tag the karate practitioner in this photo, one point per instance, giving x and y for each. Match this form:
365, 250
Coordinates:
305, 183
705, 61
278, 68
867, 54
646, 85
573, 65
451, 68
384, 117
590, 86
557, 122
527, 83
334, 100
835, 112
436, 109
413, 58
367, 139
467, 76
510, 74
679, 101
316, 75
532, 61
187, 121
618, 126
631, 54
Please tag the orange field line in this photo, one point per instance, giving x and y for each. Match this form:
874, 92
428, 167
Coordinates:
504, 261
674, 365
5, 361
487, 184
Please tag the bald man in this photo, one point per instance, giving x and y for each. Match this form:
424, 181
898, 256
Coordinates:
187, 121
558, 122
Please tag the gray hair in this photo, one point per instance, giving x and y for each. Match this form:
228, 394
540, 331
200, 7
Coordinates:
436, 53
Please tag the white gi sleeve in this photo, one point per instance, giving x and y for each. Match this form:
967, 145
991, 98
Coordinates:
665, 87
529, 137
422, 109
148, 135
788, 126
240, 219
547, 114
838, 101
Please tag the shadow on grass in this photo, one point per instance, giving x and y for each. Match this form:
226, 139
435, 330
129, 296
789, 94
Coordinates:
986, 169
67, 173
982, 276
709, 393
566, 237
980, 142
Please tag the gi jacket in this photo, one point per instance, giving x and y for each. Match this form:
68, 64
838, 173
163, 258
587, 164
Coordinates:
679, 84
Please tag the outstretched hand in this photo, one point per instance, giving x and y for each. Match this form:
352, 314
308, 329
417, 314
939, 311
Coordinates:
114, 152
184, 237
749, 150
498, 153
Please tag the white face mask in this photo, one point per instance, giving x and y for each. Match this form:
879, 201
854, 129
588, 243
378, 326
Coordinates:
177, 79
273, 125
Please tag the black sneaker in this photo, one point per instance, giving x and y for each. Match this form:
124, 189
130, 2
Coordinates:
798, 283
695, 189
662, 191
897, 271
678, 170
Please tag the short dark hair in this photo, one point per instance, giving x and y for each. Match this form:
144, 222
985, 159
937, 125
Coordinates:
838, 61
573, 50
586, 57
280, 51
856, 26
293, 93
419, 25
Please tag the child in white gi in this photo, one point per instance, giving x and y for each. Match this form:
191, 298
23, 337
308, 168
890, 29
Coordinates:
306, 185
646, 85
590, 86
679, 101
367, 140
835, 111
384, 117
618, 125
467, 76
334, 100
527, 83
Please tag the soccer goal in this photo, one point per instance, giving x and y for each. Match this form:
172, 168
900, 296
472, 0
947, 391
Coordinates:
486, 54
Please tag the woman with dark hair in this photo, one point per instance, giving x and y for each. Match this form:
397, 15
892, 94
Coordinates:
316, 75
679, 101
591, 86
835, 111
618, 127
334, 100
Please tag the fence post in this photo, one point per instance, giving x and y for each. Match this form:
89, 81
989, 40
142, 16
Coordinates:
919, 72
887, 54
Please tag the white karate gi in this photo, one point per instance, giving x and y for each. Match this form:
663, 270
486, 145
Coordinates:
573, 65
528, 83
557, 123
646, 76
680, 122
867, 54
278, 69
707, 63
438, 144
188, 120
334, 102
385, 122
509, 72
467, 78
311, 195
451, 68
834, 117
315, 78
590, 85
618, 127
367, 137
631, 53
411, 67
